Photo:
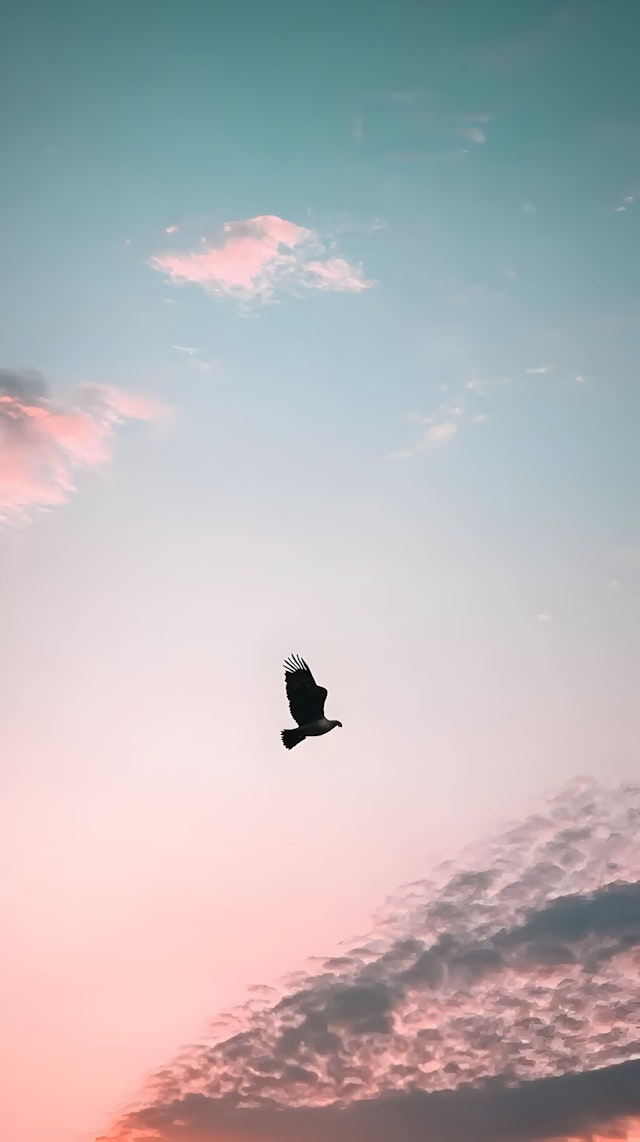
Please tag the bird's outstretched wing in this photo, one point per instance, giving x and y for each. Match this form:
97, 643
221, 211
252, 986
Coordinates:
306, 698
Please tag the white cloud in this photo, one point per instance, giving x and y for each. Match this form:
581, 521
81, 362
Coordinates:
196, 360
473, 134
440, 433
476, 385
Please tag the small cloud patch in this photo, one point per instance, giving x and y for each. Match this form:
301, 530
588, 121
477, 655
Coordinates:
254, 259
44, 442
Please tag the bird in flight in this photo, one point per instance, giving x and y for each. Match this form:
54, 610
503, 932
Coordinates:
306, 702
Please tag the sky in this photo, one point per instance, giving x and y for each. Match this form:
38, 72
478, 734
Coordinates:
319, 330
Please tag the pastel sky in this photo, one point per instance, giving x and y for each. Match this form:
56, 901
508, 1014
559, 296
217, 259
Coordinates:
319, 333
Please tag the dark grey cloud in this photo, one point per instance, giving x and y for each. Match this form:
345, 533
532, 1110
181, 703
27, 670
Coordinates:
498, 999
569, 1105
23, 385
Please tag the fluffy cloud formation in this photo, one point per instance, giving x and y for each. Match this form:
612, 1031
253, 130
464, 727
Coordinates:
252, 259
44, 442
497, 1000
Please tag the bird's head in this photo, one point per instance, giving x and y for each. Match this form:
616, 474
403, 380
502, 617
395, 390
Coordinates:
338, 724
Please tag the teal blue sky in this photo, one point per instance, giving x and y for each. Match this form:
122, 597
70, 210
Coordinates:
417, 465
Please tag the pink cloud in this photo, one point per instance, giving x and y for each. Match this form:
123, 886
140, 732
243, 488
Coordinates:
250, 259
42, 443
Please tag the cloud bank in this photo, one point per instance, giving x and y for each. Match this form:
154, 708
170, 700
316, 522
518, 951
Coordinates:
498, 999
252, 259
43, 442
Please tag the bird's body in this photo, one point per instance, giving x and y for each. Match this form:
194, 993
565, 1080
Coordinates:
306, 702
322, 726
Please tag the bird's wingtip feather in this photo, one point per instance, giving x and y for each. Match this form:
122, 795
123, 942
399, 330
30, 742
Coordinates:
293, 663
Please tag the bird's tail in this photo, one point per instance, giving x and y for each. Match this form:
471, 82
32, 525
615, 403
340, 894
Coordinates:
291, 738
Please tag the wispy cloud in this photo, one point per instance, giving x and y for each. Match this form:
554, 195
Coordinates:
477, 385
196, 360
440, 433
435, 433
334, 274
495, 1001
473, 134
424, 130
624, 591
564, 375
413, 95
357, 127
468, 398
253, 259
44, 442
441, 427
